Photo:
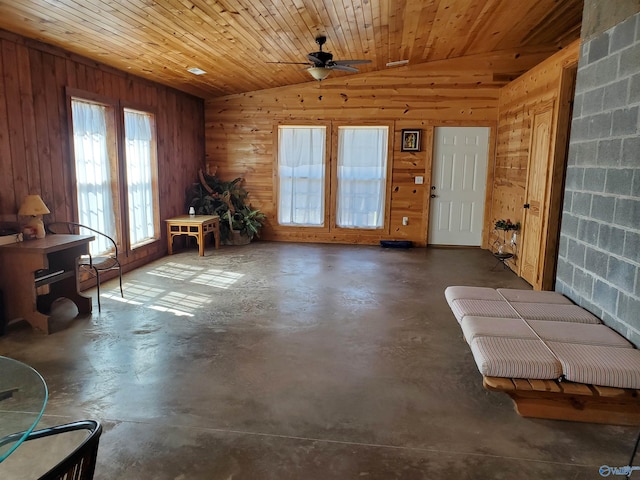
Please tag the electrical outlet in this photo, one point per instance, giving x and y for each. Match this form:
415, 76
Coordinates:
419, 180
405, 220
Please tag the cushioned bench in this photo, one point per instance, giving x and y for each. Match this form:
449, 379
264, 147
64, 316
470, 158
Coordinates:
554, 358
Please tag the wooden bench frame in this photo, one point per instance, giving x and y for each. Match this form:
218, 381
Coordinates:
563, 400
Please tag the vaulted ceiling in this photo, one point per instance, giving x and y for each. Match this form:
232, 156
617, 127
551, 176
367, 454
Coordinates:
234, 40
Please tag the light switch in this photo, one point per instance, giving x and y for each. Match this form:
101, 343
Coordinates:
419, 180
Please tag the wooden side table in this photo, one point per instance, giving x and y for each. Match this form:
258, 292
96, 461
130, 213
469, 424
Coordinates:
197, 226
50, 261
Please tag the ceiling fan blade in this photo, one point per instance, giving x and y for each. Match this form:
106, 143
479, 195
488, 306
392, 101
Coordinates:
315, 60
351, 62
291, 63
343, 68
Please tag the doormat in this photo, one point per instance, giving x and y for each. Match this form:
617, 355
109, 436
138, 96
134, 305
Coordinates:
396, 244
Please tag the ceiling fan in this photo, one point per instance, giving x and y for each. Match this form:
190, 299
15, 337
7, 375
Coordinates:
321, 63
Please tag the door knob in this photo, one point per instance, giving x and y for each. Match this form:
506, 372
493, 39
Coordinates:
433, 195
433, 187
526, 205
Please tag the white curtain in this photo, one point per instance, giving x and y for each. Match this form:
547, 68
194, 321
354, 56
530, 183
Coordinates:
138, 153
93, 179
362, 176
301, 174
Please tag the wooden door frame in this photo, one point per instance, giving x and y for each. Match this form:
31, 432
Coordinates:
557, 175
551, 210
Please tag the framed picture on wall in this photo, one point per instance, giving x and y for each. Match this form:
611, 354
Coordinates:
410, 140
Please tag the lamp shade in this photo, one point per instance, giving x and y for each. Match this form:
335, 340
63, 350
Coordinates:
33, 205
319, 73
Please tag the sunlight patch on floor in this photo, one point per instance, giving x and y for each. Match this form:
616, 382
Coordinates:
198, 275
180, 304
135, 293
217, 278
159, 299
115, 295
176, 271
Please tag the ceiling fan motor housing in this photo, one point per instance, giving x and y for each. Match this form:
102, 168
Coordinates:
321, 58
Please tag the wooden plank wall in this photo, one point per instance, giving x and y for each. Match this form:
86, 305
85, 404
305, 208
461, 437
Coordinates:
34, 130
518, 100
239, 129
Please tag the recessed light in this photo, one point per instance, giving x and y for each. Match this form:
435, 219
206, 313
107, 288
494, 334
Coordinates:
398, 63
196, 71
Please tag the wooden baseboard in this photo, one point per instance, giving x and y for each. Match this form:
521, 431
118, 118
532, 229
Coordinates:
571, 401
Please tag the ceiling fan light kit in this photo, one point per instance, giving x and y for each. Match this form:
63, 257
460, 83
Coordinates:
319, 73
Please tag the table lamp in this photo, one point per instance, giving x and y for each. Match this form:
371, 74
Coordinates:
34, 207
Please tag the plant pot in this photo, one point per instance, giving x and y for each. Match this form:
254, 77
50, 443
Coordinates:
236, 238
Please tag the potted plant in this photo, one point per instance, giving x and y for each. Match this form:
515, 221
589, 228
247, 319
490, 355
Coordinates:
507, 225
239, 222
243, 224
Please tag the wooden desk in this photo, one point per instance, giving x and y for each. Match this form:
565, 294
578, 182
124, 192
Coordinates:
197, 226
20, 262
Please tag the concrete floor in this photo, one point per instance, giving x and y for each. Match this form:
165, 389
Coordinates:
296, 361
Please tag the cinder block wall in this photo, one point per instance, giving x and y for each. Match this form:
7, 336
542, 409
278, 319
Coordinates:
599, 257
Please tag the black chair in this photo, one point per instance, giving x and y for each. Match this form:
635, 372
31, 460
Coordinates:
93, 264
79, 464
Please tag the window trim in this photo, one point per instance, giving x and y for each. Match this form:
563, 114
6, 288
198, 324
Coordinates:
386, 228
112, 149
325, 228
155, 191
331, 180
116, 146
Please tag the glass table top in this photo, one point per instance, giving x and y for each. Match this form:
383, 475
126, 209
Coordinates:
23, 396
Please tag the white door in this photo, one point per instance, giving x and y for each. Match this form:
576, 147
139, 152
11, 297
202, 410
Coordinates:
459, 179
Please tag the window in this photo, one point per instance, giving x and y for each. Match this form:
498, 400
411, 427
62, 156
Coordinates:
301, 175
140, 156
113, 195
359, 176
93, 175
362, 176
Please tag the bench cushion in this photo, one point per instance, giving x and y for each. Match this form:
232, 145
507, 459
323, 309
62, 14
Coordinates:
514, 358
533, 296
556, 312
471, 293
473, 327
599, 365
482, 308
566, 332
583, 333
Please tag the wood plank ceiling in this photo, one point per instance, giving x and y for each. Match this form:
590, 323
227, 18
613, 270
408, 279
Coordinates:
232, 40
